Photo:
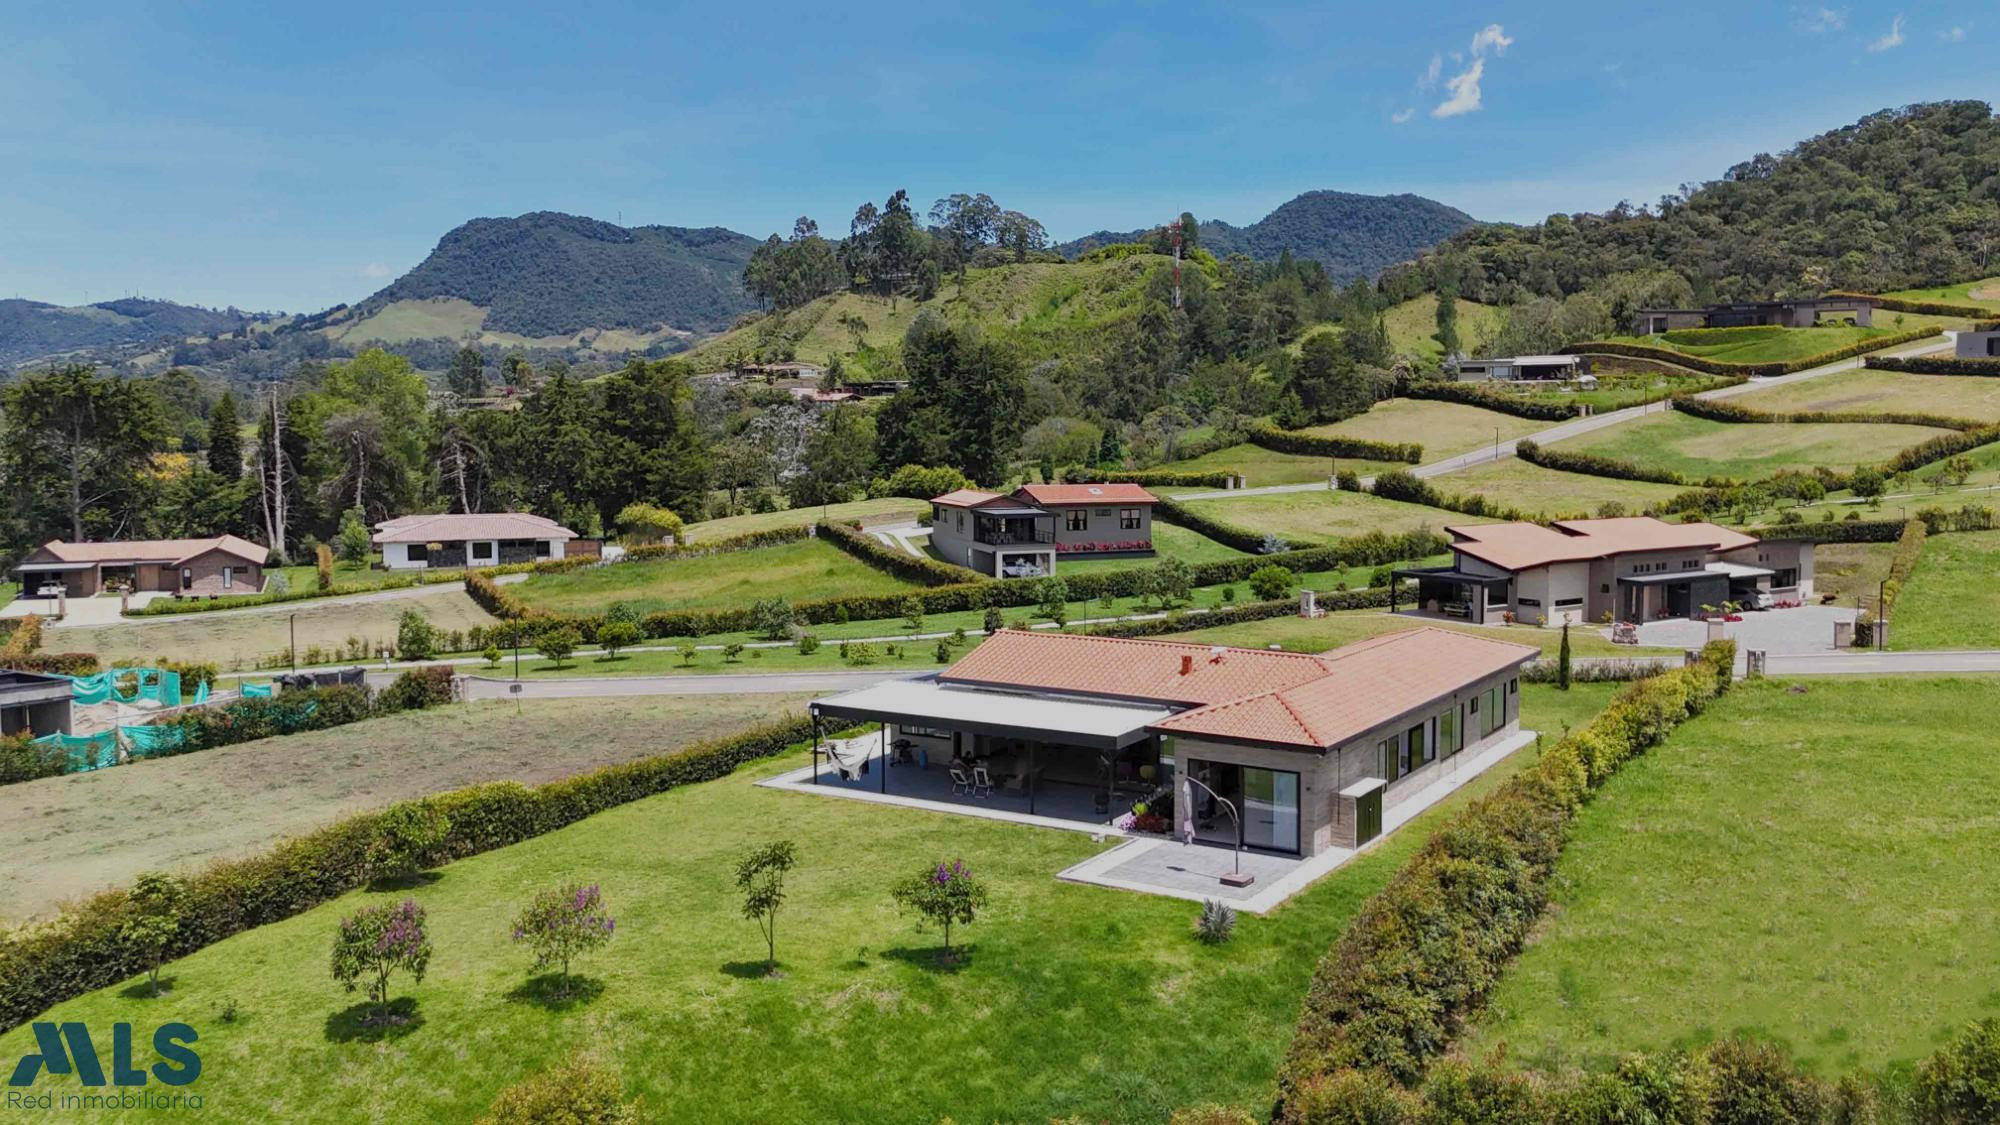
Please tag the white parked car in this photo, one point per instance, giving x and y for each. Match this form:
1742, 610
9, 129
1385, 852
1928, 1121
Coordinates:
1762, 599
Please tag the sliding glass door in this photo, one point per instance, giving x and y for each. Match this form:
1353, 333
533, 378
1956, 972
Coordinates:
1271, 809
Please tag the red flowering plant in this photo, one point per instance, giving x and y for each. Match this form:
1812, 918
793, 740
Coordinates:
561, 924
943, 893
374, 943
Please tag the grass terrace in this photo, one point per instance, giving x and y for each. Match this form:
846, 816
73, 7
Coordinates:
1797, 865
1861, 389
1952, 599
1540, 491
1260, 466
1757, 344
1316, 517
1070, 1000
1297, 634
883, 510
805, 570
1444, 429
1984, 293
1621, 382
237, 638
1169, 541
79, 833
1699, 447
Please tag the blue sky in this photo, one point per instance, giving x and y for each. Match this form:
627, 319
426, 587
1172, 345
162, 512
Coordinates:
253, 155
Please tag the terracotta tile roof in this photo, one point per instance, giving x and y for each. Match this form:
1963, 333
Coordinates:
964, 498
1522, 545
1126, 668
1366, 684
448, 527
121, 551
1086, 494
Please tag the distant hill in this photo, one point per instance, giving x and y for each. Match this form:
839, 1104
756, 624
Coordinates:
548, 275
33, 329
1351, 235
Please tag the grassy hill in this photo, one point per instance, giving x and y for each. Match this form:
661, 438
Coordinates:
32, 329
1412, 326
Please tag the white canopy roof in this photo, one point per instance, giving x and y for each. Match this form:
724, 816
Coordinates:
1738, 570
1009, 714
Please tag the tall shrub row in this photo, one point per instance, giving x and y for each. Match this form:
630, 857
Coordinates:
1412, 489
1327, 445
1488, 397
1903, 563
1940, 447
1908, 305
1162, 478
83, 949
922, 570
1725, 410
1426, 950
1933, 365
1373, 597
1597, 465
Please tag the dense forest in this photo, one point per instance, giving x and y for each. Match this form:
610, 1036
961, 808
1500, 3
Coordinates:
32, 328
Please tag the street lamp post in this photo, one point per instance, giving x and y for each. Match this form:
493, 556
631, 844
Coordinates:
295, 641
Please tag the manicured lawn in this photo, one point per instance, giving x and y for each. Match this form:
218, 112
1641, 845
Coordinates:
1412, 326
1698, 447
1259, 466
1444, 429
1540, 491
346, 575
1861, 389
1846, 570
78, 834
1070, 1000
1768, 345
870, 511
1169, 541
1298, 634
1801, 864
1984, 293
1622, 382
1308, 518
237, 639
1953, 597
801, 571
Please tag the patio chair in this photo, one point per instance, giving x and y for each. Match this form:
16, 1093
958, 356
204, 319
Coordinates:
959, 782
982, 782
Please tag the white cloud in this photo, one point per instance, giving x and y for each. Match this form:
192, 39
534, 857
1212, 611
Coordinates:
1465, 95
1955, 35
1824, 19
1892, 40
1490, 36
374, 271
1402, 115
1430, 79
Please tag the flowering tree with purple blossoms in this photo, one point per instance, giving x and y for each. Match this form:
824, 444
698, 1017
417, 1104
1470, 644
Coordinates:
943, 893
563, 923
376, 941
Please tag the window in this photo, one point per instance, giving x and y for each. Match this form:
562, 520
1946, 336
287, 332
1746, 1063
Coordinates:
418, 552
1785, 578
1128, 519
541, 548
1604, 587
1389, 758
1448, 743
482, 551
228, 577
1568, 603
922, 732
1536, 602
187, 578
1078, 519
1420, 750
961, 521
1690, 564
1490, 715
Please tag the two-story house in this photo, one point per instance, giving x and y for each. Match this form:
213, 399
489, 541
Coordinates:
1021, 534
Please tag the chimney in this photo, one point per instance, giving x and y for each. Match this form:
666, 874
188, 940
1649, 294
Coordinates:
1187, 663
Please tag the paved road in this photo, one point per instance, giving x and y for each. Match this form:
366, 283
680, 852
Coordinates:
1577, 427
1878, 663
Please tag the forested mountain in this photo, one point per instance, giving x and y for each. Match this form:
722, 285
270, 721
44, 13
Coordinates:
1904, 197
29, 329
549, 274
1351, 235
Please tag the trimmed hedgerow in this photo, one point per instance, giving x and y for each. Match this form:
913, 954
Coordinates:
1843, 531
83, 948
1940, 447
56, 663
1903, 563
169, 607
1427, 948
1486, 396
1326, 445
1723, 410
1774, 367
1597, 465
1930, 308
1163, 478
1412, 489
925, 570
1934, 365
1373, 597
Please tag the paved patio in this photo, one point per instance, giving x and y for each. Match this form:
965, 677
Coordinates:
1780, 632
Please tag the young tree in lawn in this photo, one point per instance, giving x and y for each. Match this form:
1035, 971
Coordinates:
352, 540
761, 877
614, 635
1053, 599
156, 901
732, 651
943, 894
687, 652
912, 608
557, 644
561, 924
1172, 580
1271, 582
416, 638
375, 943
407, 838
1562, 660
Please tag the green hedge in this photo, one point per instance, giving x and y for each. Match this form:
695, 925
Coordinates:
1774, 367
168, 607
1929, 308
1903, 563
82, 949
894, 560
55, 663
22, 760
1842, 531
1371, 549
1324, 445
1486, 396
1725, 410
1534, 453
1935, 365
1163, 478
1374, 597
1425, 951
1412, 489
1940, 447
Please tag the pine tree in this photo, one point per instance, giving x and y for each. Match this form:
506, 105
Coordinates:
1562, 660
225, 438
468, 373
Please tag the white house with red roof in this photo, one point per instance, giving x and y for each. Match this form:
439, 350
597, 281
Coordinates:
1290, 753
458, 539
1022, 534
1634, 568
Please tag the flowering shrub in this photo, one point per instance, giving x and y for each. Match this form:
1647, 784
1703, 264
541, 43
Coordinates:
942, 894
564, 923
376, 941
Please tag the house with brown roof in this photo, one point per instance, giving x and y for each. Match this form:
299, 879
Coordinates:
224, 564
1022, 534
1290, 753
458, 539
1633, 568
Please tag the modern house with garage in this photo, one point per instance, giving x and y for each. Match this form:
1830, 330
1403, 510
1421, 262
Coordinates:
1783, 314
1978, 345
1290, 753
1022, 534
1531, 368
213, 567
1633, 569
469, 540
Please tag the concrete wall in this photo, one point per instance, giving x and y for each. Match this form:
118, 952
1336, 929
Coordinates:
1779, 555
35, 718
951, 538
1978, 345
1545, 586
